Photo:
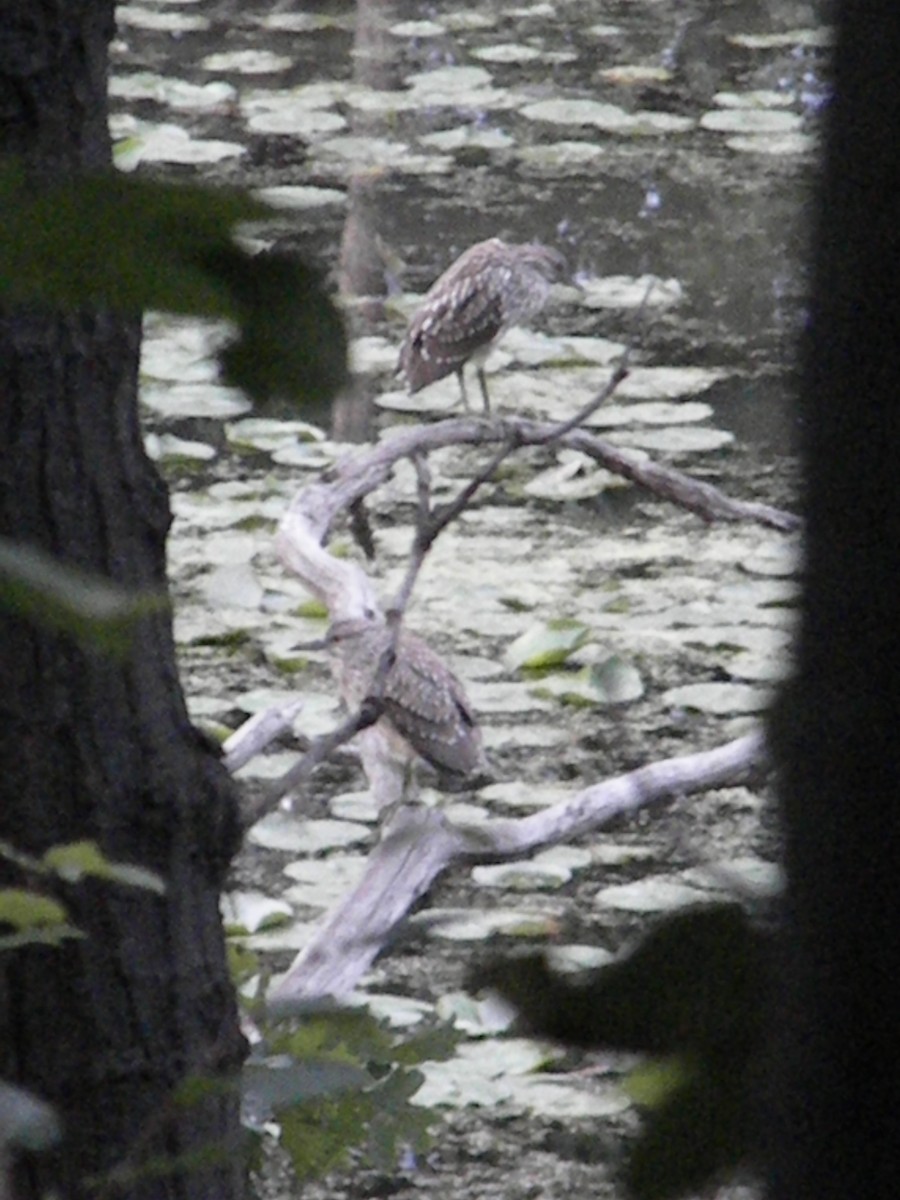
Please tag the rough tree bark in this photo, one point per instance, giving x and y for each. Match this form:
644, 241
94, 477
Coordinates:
836, 1126
95, 747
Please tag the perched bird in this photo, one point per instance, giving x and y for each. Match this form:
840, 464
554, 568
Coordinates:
426, 712
489, 288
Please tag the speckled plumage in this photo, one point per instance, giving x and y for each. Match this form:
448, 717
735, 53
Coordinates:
489, 288
426, 711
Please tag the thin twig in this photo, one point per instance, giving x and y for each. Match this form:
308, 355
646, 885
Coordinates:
320, 749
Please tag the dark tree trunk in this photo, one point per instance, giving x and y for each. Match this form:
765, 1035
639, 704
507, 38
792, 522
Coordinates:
96, 747
837, 1132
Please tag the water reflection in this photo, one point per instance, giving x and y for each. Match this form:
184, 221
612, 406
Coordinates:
364, 258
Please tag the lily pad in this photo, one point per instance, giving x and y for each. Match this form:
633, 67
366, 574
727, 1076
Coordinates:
565, 1101
178, 93
759, 98
417, 29
460, 925
563, 156
247, 62
234, 586
751, 120
166, 22
783, 143
546, 871
321, 882
636, 73
252, 912
464, 136
547, 645
656, 894
614, 682
576, 478
676, 440
524, 795
478, 1017
168, 446
284, 114
609, 117
718, 699
823, 36
626, 291
167, 143
212, 401
508, 52
284, 831
300, 196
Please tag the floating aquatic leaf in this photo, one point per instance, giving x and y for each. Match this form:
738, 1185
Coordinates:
166, 142
417, 29
751, 120
252, 912
719, 699
654, 894
783, 143
168, 446
300, 196
321, 882
246, 62
823, 36
636, 73
508, 52
281, 831
613, 682
759, 98
676, 439
609, 117
547, 645
177, 93
166, 22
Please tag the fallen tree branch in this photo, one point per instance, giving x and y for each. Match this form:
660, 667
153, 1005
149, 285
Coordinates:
257, 733
419, 844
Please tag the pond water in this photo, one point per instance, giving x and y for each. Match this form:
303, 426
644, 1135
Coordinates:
645, 139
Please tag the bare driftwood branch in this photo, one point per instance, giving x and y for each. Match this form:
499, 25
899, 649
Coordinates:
418, 844
254, 735
347, 590
364, 471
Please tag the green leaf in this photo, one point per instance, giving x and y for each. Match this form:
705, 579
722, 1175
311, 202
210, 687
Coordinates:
613, 682
657, 1080
29, 910
75, 860
319, 1136
129, 244
46, 935
195, 1089
92, 610
275, 1083
549, 645
691, 994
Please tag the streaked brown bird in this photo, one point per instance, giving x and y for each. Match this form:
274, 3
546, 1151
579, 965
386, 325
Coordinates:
426, 711
489, 288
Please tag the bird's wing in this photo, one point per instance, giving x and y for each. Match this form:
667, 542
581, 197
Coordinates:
437, 721
452, 324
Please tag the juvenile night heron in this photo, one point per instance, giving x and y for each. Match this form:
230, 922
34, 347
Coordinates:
489, 288
426, 711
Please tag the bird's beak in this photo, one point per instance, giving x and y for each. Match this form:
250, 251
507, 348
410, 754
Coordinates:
316, 644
